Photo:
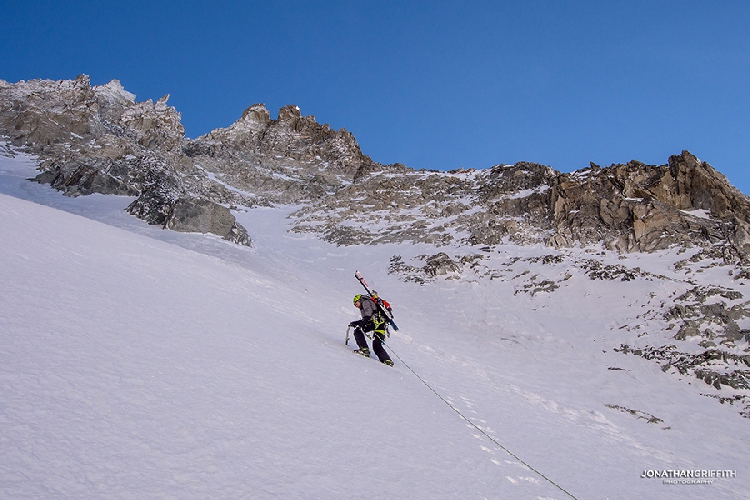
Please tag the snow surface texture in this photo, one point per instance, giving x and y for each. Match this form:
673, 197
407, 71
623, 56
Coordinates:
141, 363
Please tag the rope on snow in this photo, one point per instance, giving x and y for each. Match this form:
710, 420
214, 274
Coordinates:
475, 426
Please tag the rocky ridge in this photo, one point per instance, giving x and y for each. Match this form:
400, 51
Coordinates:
100, 140
626, 208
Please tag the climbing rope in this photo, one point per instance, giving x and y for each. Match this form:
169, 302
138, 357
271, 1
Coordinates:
475, 426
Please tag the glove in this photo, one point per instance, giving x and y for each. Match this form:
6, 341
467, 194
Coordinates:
355, 323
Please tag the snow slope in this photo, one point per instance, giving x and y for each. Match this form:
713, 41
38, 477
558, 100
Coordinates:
141, 363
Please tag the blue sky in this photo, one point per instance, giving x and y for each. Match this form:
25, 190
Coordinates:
438, 84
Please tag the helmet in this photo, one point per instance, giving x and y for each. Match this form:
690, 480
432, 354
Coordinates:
357, 298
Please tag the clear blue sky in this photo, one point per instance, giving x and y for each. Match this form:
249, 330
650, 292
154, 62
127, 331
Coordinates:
435, 84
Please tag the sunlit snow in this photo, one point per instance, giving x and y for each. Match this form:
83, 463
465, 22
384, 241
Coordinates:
142, 363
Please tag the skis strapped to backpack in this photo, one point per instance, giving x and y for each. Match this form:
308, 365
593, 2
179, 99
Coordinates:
381, 307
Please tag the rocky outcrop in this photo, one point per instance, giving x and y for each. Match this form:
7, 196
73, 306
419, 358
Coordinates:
288, 160
99, 140
201, 216
637, 207
40, 113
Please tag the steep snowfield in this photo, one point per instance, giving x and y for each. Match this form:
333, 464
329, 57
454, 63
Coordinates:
141, 363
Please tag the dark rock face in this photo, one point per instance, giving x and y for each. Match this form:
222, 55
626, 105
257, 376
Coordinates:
82, 177
201, 216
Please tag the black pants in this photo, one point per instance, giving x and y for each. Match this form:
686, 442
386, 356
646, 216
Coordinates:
377, 340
